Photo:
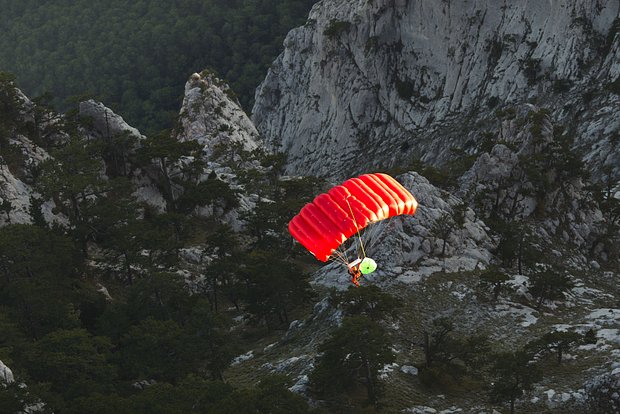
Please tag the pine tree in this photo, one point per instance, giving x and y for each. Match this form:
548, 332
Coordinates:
557, 342
549, 284
274, 287
72, 179
75, 362
39, 279
164, 152
442, 228
495, 280
514, 374
351, 357
222, 271
10, 108
369, 301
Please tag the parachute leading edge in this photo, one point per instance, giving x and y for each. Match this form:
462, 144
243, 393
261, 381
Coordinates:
331, 218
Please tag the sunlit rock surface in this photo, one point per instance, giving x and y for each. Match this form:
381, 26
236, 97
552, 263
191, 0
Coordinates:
6, 375
104, 122
212, 116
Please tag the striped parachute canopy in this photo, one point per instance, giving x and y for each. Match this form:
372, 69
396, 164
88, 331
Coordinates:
331, 218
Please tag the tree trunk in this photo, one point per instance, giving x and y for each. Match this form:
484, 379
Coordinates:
285, 313
370, 385
497, 197
76, 208
214, 286
128, 267
427, 351
520, 254
496, 291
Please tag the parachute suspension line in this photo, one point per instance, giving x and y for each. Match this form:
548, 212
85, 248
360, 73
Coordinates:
371, 232
339, 256
367, 236
356, 227
343, 254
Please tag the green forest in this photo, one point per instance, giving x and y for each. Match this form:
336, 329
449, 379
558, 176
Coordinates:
135, 56
95, 312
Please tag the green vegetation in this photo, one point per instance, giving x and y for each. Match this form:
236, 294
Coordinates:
514, 374
557, 342
336, 28
405, 88
449, 356
75, 348
352, 357
548, 284
135, 56
562, 85
614, 86
494, 280
346, 364
150, 340
531, 70
442, 228
495, 48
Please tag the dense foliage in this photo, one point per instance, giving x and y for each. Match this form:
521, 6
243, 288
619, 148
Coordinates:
136, 55
97, 311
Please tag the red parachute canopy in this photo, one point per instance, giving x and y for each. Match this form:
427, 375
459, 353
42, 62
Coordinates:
324, 224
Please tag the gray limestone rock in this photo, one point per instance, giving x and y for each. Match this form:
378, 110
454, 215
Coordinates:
212, 116
105, 122
368, 85
6, 375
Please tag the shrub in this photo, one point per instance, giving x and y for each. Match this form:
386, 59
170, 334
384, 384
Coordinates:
405, 88
336, 28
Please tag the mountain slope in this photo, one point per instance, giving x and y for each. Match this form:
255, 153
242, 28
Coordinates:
368, 85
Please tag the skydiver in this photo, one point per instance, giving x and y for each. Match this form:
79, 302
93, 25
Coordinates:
360, 267
355, 272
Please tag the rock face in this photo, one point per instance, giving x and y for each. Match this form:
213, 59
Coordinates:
16, 176
105, 123
17, 193
212, 116
6, 375
365, 85
501, 182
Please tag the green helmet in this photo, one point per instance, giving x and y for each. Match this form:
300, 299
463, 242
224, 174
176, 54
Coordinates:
367, 266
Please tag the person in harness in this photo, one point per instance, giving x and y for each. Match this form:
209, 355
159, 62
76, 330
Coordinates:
360, 267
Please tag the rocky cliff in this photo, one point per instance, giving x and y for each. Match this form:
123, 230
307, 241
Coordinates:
212, 116
366, 85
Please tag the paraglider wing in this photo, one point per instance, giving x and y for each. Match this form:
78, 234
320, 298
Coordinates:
324, 224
